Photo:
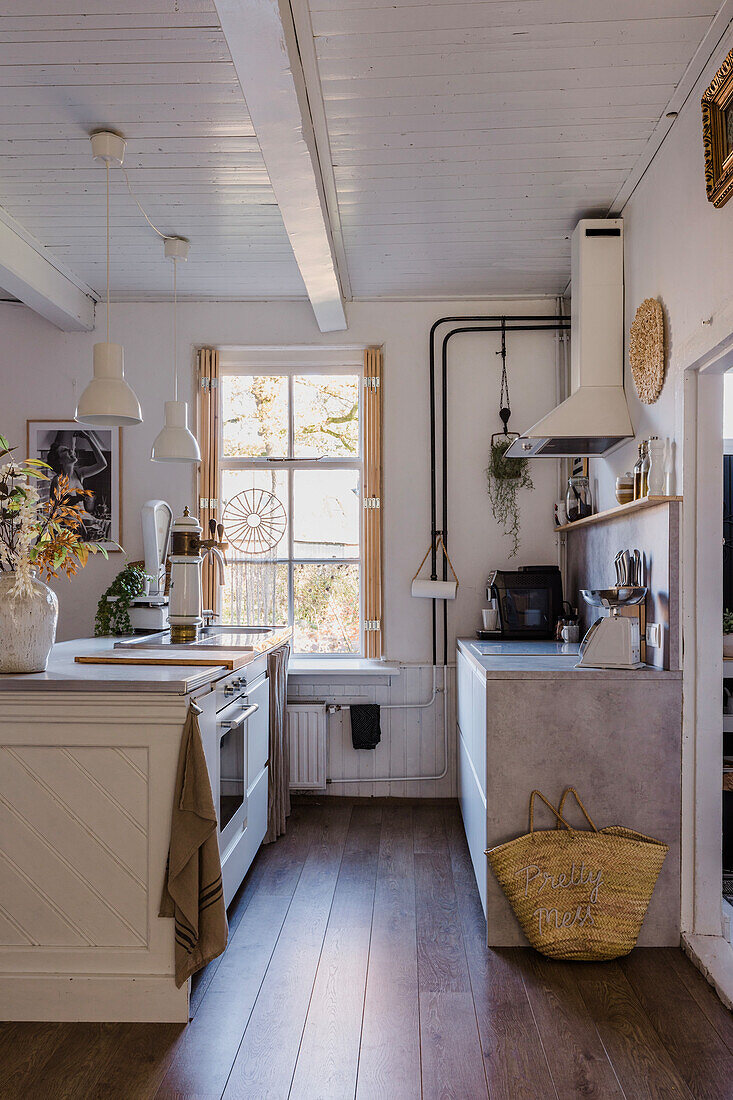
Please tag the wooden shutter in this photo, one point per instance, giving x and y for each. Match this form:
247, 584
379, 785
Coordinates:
208, 428
372, 559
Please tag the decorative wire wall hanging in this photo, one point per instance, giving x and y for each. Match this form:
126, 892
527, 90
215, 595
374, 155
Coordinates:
254, 521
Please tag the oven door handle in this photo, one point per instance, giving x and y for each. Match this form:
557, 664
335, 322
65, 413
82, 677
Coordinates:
246, 713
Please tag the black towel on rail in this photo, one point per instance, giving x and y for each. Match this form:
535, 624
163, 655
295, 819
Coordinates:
366, 732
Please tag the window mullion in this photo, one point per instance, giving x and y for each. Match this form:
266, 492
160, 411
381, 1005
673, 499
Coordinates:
291, 452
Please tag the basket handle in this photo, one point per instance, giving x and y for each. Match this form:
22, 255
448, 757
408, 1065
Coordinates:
558, 814
438, 542
572, 791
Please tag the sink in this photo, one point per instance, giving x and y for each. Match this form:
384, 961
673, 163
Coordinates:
220, 636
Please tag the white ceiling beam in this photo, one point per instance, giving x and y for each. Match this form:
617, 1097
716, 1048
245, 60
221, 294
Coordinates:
31, 274
263, 45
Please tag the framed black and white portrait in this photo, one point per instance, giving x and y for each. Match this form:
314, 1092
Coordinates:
90, 458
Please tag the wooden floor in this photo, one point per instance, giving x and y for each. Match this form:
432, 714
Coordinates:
357, 968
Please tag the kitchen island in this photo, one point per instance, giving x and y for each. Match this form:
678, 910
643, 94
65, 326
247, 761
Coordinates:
528, 718
89, 755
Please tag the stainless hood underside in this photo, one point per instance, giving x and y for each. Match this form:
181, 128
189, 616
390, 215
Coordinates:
564, 432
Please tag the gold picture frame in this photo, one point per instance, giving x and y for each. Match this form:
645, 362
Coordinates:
717, 134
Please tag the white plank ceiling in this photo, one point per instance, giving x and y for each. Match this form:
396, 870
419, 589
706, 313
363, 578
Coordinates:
466, 138
158, 71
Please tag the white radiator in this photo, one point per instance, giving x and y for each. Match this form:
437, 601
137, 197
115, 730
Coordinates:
307, 726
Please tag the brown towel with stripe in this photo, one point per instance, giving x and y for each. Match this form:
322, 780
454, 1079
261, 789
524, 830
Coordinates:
192, 891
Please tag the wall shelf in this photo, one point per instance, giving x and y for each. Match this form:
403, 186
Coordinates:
621, 510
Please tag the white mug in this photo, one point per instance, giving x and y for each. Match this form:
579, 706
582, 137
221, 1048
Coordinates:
490, 618
571, 632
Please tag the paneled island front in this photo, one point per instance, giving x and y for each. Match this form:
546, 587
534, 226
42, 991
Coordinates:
88, 757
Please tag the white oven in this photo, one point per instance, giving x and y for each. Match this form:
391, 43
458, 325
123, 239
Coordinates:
231, 793
236, 754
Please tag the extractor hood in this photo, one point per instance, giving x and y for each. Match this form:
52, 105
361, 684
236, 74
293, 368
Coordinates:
595, 418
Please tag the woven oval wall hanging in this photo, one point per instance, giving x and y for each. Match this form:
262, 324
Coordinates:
646, 350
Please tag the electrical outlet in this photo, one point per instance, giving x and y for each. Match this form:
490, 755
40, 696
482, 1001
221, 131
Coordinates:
654, 635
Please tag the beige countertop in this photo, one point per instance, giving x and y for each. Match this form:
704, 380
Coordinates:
65, 674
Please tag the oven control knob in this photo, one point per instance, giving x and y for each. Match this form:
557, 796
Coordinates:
229, 689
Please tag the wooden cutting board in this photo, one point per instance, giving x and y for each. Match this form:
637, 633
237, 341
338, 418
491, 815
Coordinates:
222, 658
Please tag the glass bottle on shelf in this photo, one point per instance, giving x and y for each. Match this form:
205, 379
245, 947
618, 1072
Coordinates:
638, 475
579, 502
645, 467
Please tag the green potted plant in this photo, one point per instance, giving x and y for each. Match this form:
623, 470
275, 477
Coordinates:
113, 609
505, 477
727, 633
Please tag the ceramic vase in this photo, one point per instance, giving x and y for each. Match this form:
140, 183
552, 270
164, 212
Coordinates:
27, 626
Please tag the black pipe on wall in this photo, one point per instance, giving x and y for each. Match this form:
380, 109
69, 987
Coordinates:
467, 324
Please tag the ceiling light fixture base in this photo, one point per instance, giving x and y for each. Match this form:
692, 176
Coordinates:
176, 248
108, 147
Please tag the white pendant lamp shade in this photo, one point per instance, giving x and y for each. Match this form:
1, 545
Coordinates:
174, 442
108, 401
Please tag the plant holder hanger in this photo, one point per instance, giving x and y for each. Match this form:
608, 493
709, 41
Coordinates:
505, 409
433, 589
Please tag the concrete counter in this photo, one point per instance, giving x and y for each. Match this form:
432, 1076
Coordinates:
531, 720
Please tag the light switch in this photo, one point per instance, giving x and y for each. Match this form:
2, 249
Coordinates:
654, 635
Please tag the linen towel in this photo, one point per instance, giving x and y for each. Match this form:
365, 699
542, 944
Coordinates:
278, 796
192, 890
366, 732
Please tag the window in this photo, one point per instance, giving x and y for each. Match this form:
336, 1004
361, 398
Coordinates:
290, 489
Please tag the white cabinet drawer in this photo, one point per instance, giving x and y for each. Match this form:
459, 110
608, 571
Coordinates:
258, 731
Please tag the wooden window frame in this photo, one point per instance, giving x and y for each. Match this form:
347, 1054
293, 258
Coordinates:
209, 481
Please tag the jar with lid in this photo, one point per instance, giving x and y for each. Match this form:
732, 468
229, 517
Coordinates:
579, 502
625, 488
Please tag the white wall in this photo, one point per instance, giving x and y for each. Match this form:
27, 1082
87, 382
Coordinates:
42, 370
679, 249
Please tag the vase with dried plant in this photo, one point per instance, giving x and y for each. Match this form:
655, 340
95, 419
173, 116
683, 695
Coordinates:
37, 536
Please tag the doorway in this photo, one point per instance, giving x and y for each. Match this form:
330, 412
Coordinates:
702, 748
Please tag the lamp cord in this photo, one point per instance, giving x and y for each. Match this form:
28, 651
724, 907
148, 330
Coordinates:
107, 163
175, 327
165, 236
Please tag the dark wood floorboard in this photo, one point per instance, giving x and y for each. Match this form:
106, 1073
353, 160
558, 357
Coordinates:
265, 1063
357, 967
642, 1064
389, 1060
700, 1055
514, 1058
452, 1063
329, 1049
575, 1054
708, 1000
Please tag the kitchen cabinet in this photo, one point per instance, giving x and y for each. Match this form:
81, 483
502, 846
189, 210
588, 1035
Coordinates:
531, 720
88, 760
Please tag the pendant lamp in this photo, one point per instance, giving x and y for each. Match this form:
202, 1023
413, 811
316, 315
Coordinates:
174, 442
108, 401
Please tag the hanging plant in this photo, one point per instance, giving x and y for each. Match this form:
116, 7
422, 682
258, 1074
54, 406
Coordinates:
505, 477
113, 609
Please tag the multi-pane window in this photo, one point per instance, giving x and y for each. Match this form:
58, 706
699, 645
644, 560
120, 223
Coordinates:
291, 469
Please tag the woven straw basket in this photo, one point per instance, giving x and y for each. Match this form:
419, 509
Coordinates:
578, 893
